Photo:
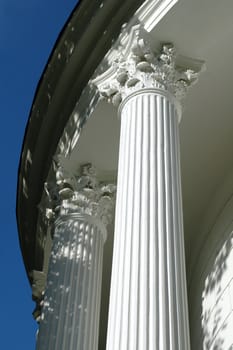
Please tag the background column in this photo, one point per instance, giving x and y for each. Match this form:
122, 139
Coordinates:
71, 305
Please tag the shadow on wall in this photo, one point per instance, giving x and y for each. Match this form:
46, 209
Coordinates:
217, 301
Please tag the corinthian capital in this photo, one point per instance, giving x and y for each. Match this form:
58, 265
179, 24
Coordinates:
134, 66
83, 194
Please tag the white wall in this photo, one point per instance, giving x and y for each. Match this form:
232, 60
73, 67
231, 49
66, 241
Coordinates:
211, 282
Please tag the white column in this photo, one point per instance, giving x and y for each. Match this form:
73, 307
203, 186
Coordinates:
148, 299
71, 305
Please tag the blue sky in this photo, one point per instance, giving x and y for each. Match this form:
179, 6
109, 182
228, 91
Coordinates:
28, 30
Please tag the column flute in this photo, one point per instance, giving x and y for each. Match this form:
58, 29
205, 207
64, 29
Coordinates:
148, 299
82, 209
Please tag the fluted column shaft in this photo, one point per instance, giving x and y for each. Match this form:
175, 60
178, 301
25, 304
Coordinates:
70, 316
79, 208
148, 300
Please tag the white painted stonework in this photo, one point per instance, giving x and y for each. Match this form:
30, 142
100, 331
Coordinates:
148, 299
151, 12
143, 78
148, 305
82, 209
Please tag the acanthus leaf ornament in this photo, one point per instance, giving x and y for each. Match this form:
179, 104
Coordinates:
83, 194
134, 66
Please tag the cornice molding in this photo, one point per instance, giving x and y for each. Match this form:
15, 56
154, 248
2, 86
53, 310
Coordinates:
58, 114
152, 11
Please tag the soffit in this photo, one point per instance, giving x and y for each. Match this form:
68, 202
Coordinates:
198, 29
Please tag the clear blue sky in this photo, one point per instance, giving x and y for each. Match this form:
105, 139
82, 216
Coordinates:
28, 30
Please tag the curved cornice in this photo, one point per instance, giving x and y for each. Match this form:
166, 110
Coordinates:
85, 39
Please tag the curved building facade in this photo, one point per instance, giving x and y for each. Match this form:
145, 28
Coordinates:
124, 202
